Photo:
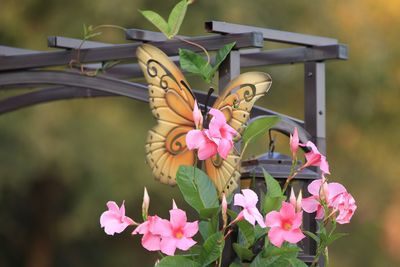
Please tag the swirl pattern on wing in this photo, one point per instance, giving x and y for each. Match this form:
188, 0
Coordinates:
239, 97
171, 104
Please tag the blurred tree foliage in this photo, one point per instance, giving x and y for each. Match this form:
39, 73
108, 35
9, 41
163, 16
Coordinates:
61, 162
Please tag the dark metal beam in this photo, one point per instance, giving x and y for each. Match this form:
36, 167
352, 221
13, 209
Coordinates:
12, 51
146, 36
270, 35
254, 59
72, 43
48, 95
99, 83
294, 55
125, 51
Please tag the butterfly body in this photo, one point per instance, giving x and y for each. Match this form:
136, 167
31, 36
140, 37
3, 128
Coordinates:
172, 102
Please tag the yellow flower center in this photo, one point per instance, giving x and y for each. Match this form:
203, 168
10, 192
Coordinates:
287, 226
178, 234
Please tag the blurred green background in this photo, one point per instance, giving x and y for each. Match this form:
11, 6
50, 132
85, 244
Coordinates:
61, 162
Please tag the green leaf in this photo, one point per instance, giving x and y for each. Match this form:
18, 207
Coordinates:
208, 213
335, 237
235, 264
274, 196
246, 233
259, 232
173, 261
204, 229
222, 53
312, 235
295, 262
196, 188
259, 261
193, 63
272, 203
287, 250
176, 17
273, 186
157, 21
258, 127
243, 252
212, 249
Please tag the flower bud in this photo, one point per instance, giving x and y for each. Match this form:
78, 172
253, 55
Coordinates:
174, 206
299, 200
146, 204
294, 142
224, 206
197, 117
292, 198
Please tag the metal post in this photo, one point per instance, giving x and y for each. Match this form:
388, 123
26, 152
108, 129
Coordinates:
314, 103
314, 120
229, 69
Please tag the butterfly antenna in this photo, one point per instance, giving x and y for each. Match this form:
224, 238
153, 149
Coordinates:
207, 100
187, 87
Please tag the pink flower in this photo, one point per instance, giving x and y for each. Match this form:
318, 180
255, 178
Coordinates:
315, 158
176, 233
217, 139
294, 142
345, 204
197, 117
114, 220
221, 133
321, 190
248, 201
196, 139
150, 241
285, 225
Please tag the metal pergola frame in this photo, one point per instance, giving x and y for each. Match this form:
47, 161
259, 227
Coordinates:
22, 68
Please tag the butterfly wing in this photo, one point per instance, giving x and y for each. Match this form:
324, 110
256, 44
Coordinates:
236, 103
171, 104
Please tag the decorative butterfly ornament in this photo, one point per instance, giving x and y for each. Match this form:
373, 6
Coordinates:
172, 102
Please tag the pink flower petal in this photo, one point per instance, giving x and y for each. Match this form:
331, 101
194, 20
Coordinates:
293, 236
275, 235
161, 227
251, 197
273, 219
218, 116
239, 200
314, 187
224, 147
287, 211
112, 206
151, 242
191, 228
185, 243
248, 217
142, 228
310, 204
168, 245
177, 218
259, 218
335, 189
324, 166
194, 139
298, 220
207, 150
